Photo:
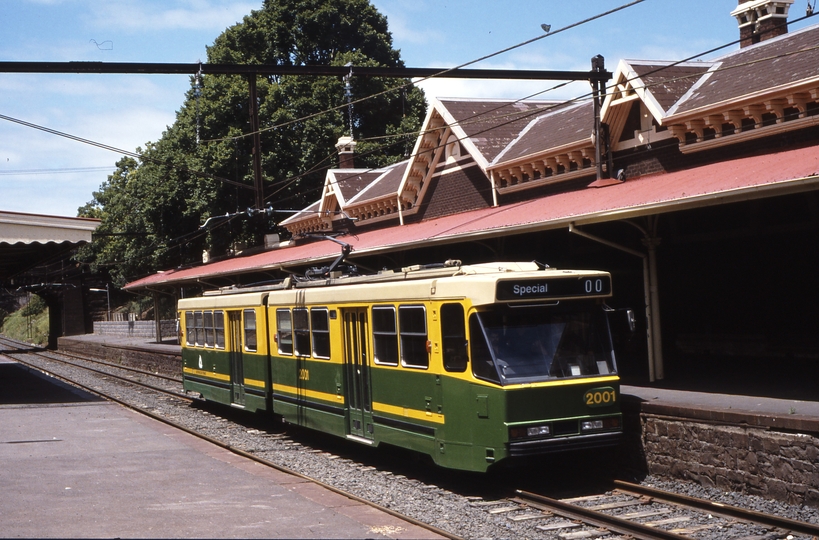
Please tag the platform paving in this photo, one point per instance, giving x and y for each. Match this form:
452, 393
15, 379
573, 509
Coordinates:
77, 466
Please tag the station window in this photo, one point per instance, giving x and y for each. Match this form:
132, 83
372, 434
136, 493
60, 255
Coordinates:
250, 330
385, 337
453, 337
412, 327
190, 329
208, 323
284, 331
301, 331
320, 325
198, 323
219, 329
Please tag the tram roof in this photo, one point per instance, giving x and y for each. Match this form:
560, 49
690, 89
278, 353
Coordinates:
753, 177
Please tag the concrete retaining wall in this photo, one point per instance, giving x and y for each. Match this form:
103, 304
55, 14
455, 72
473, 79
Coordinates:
142, 329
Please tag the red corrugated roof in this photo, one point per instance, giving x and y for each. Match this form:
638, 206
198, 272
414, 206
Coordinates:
739, 179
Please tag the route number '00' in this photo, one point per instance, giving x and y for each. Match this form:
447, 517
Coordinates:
593, 286
600, 397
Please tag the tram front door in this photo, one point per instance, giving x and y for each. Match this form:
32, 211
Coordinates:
357, 373
237, 377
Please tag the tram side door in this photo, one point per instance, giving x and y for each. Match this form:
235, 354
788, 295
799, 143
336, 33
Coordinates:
357, 373
237, 377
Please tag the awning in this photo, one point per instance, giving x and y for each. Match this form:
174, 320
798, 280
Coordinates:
29, 240
754, 177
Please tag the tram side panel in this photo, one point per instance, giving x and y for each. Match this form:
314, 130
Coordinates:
223, 357
405, 386
306, 368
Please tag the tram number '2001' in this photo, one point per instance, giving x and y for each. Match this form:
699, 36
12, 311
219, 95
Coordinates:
600, 397
304, 374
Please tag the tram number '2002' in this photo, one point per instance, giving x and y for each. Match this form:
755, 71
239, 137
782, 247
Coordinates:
600, 397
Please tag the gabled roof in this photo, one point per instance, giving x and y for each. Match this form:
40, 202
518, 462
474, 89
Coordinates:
350, 193
384, 185
663, 83
561, 126
486, 127
755, 72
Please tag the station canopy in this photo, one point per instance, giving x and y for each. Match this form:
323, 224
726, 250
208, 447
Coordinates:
31, 240
754, 177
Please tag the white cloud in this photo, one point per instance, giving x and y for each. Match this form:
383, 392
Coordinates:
187, 14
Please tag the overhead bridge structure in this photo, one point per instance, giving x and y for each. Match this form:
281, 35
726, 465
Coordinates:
35, 253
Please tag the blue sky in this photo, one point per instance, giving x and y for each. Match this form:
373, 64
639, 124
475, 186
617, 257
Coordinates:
46, 174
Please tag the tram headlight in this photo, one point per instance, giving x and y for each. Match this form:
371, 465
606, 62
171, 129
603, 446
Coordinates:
591, 425
530, 432
612, 422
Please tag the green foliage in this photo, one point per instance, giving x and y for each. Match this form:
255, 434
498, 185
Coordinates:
151, 210
31, 329
35, 307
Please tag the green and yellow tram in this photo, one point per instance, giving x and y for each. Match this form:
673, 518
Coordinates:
468, 364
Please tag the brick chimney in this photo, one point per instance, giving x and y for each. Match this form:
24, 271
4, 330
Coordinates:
346, 152
760, 20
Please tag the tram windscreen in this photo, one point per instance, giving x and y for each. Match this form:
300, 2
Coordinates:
515, 345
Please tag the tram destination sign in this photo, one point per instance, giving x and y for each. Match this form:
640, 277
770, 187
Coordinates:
530, 289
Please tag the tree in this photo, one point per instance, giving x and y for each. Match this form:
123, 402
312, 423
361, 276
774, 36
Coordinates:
202, 166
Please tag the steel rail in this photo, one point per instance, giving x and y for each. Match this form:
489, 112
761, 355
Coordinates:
244, 454
769, 520
118, 366
631, 529
98, 371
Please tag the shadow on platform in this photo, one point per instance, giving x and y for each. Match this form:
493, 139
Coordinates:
20, 385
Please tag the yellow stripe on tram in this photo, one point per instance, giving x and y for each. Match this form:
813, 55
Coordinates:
313, 394
415, 414
206, 374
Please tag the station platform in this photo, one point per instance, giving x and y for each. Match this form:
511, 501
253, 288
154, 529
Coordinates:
78, 466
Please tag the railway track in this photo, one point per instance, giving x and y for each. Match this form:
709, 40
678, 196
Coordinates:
642, 513
137, 377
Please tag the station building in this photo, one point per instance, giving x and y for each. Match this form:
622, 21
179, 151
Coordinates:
699, 194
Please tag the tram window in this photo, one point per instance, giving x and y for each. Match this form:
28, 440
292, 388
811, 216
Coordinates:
219, 329
412, 327
190, 337
453, 337
301, 331
321, 332
208, 323
385, 338
482, 365
250, 330
284, 331
199, 331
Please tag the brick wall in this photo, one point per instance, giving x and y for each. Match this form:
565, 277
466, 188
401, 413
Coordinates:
754, 459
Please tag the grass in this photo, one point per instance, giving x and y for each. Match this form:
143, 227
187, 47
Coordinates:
29, 328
